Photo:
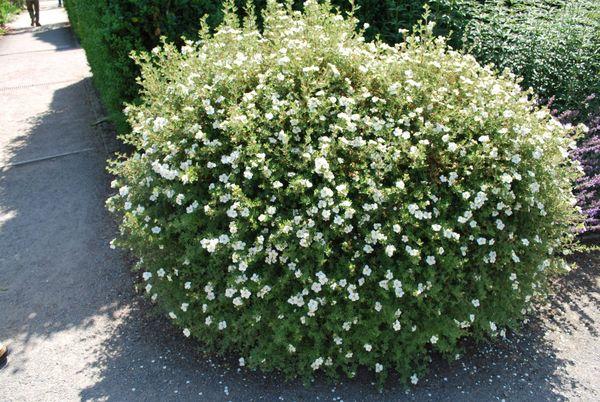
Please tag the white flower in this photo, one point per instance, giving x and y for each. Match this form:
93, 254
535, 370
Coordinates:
414, 379
397, 326
481, 241
389, 250
147, 275
317, 363
172, 315
242, 362
186, 332
156, 230
326, 192
313, 305
222, 325
434, 339
506, 178
187, 285
378, 368
436, 227
430, 260
184, 306
493, 326
475, 302
161, 273
368, 347
159, 123
321, 165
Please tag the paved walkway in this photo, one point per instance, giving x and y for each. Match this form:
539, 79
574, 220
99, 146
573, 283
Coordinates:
77, 331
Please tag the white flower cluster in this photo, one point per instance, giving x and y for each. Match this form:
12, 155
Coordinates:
304, 192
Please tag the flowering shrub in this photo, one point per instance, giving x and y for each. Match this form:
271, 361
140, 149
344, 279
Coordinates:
311, 201
588, 155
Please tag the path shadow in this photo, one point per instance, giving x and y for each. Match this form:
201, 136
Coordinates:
56, 270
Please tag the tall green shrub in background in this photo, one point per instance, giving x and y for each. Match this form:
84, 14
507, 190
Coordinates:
110, 30
553, 45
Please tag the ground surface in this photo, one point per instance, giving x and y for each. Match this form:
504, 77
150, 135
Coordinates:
77, 330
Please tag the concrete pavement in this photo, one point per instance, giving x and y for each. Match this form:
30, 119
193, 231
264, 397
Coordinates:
77, 330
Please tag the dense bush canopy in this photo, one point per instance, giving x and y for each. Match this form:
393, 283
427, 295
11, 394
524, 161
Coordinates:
553, 44
312, 201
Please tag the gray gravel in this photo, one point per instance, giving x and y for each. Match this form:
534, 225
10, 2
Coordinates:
77, 330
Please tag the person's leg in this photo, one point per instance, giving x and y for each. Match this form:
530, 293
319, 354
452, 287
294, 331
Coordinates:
60, 3
29, 4
36, 5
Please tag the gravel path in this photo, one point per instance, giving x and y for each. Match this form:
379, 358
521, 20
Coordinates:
76, 329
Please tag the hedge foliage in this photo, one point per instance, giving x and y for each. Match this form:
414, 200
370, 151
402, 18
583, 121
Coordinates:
553, 45
315, 202
8, 8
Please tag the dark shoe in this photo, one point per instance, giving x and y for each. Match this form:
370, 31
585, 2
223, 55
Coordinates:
32, 23
37, 24
3, 351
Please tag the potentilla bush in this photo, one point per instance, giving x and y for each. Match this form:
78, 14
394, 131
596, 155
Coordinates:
311, 202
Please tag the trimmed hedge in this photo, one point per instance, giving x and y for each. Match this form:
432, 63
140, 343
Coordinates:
317, 203
110, 30
553, 45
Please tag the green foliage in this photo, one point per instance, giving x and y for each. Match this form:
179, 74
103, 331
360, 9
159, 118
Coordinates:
554, 46
110, 30
7, 9
312, 201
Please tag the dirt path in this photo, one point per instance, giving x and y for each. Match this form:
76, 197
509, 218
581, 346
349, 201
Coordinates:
75, 327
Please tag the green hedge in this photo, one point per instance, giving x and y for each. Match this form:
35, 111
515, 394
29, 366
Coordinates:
7, 8
554, 45
110, 30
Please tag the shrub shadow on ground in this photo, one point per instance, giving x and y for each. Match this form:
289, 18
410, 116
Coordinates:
146, 358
